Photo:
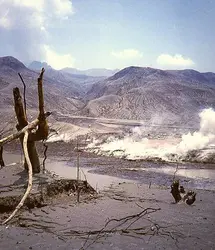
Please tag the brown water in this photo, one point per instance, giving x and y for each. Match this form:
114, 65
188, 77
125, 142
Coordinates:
99, 178
97, 181
189, 173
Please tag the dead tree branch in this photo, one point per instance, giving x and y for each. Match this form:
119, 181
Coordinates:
3, 130
176, 170
40, 95
30, 126
24, 92
21, 118
40, 124
78, 171
25, 147
19, 109
43, 129
118, 228
125, 226
2, 164
45, 155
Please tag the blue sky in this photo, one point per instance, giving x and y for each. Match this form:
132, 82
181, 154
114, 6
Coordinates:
166, 34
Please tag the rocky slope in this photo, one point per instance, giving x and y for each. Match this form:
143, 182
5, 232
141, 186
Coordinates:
59, 95
157, 96
74, 82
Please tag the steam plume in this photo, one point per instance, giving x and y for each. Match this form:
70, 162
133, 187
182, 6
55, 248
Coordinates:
135, 146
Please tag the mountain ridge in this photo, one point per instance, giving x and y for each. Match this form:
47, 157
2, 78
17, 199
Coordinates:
137, 93
12, 62
145, 93
59, 95
95, 72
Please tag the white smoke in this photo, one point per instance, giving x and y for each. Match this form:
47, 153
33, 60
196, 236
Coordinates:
136, 146
202, 138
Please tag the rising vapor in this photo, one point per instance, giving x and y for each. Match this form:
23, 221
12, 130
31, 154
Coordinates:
135, 146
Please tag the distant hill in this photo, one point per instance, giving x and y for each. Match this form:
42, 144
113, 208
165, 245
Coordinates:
157, 96
60, 95
99, 72
12, 63
91, 72
137, 93
73, 82
36, 65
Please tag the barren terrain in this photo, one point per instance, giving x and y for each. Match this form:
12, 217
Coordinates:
132, 134
131, 190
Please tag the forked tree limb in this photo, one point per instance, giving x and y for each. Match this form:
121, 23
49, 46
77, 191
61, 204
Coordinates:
30, 126
25, 140
43, 129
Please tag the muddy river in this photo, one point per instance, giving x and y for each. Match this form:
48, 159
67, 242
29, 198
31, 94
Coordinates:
100, 176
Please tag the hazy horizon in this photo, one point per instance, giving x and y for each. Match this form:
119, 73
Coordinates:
119, 69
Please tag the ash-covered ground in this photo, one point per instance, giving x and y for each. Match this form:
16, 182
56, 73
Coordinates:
112, 157
125, 189
139, 140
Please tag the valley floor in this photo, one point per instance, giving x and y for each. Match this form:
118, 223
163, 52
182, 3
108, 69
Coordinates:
68, 225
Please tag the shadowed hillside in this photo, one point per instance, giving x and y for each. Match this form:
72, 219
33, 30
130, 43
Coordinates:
59, 95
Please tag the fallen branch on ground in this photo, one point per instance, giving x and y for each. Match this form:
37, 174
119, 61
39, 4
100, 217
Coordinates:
129, 226
126, 226
118, 228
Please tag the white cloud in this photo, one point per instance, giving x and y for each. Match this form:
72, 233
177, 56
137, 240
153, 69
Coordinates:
176, 61
62, 8
4, 20
14, 12
58, 61
24, 27
127, 54
38, 4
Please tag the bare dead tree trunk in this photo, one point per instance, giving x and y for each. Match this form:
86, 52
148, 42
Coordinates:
40, 125
22, 122
175, 191
1, 157
43, 129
